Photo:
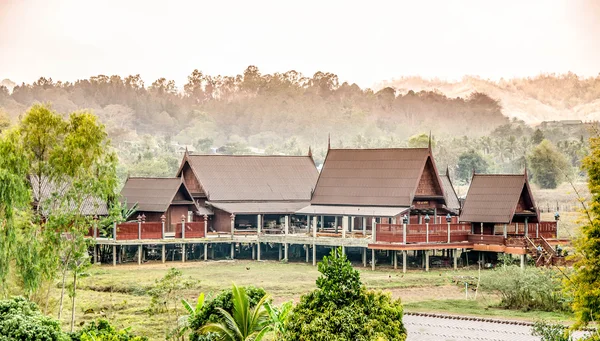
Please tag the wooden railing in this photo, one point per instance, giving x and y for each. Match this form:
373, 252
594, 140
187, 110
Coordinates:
545, 229
154, 230
419, 233
486, 239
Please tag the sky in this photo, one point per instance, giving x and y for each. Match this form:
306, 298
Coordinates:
361, 41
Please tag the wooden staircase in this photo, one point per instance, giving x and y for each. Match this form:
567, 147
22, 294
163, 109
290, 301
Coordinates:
547, 257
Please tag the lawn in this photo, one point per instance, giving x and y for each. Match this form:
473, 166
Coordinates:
121, 293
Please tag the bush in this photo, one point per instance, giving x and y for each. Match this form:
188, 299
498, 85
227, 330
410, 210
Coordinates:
342, 309
528, 289
551, 332
210, 314
103, 331
22, 320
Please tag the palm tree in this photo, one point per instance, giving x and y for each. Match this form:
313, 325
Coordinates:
279, 316
246, 323
183, 323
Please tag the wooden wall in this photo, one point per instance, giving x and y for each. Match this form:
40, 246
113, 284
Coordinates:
429, 184
190, 180
221, 220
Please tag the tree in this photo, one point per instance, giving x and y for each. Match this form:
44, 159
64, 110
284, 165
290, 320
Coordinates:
342, 309
538, 137
4, 121
420, 141
245, 324
584, 283
22, 320
210, 311
278, 317
549, 166
101, 330
468, 163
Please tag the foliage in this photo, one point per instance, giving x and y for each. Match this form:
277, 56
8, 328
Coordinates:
166, 289
245, 323
529, 289
183, 324
210, 310
551, 332
584, 284
342, 309
468, 163
101, 330
538, 137
22, 320
548, 165
278, 316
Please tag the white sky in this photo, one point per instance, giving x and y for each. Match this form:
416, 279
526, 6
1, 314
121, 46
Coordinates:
361, 41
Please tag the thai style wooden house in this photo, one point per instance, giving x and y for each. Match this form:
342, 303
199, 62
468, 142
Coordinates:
248, 192
381, 184
161, 199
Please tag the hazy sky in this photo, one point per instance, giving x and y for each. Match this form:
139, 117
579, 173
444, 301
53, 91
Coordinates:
361, 41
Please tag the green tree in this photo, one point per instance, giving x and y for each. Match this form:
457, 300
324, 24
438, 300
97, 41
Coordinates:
210, 311
246, 323
102, 330
278, 317
468, 162
548, 165
342, 309
22, 320
4, 121
584, 284
420, 141
538, 137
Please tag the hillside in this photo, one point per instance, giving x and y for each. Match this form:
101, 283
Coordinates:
533, 100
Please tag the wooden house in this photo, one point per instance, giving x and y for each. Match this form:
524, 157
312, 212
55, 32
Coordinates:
156, 197
249, 190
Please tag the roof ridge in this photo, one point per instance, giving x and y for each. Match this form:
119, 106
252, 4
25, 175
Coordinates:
390, 149
153, 177
228, 155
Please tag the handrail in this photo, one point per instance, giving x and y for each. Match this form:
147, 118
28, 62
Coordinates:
547, 246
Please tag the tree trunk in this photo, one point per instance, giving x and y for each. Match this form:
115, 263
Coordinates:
73, 305
62, 294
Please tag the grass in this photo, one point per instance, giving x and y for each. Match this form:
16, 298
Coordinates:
121, 293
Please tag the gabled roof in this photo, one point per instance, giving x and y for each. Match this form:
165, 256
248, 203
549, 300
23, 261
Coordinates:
154, 194
42, 195
452, 201
371, 177
493, 198
253, 178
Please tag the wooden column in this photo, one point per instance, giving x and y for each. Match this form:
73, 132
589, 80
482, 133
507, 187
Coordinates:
280, 252
287, 225
373, 259
404, 252
343, 250
364, 225
183, 252
182, 226
115, 230
455, 254
162, 219
285, 251
335, 223
351, 224
314, 255
526, 227
523, 261
163, 255
395, 255
114, 253
537, 230
427, 260
232, 224
448, 232
205, 252
139, 220
427, 232
140, 247
232, 251
505, 231
315, 227
258, 251
481, 228
404, 230
307, 250
364, 257
374, 230
344, 226
322, 222
205, 226
258, 223
253, 251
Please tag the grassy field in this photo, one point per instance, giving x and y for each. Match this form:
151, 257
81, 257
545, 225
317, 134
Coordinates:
121, 293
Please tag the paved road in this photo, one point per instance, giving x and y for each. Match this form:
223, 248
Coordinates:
426, 328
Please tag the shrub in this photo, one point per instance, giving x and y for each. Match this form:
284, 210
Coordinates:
22, 320
342, 309
528, 289
103, 331
210, 314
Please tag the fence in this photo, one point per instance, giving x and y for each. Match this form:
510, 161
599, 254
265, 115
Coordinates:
545, 229
417, 233
154, 230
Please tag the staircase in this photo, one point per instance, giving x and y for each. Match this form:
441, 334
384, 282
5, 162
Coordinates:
548, 255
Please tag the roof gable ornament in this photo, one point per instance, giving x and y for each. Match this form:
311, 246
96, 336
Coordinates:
329, 141
429, 142
309, 151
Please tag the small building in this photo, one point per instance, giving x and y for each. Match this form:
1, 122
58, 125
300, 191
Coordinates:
495, 201
250, 190
156, 197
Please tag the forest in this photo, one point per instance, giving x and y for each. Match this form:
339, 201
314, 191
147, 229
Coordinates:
285, 113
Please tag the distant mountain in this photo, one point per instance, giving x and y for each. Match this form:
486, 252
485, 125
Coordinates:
533, 100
